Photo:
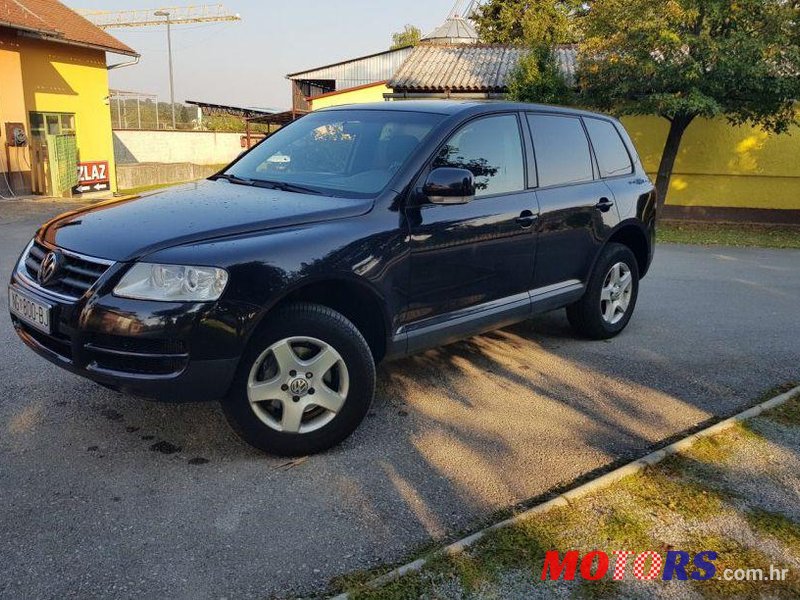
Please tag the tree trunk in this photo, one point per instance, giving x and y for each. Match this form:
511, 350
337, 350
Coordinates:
677, 128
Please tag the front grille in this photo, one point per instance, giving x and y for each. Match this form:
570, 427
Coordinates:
78, 273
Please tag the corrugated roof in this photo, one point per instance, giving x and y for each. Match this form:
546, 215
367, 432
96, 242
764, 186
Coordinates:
455, 30
567, 61
358, 71
468, 68
54, 20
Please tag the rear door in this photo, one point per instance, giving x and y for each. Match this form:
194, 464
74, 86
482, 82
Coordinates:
577, 207
476, 257
615, 163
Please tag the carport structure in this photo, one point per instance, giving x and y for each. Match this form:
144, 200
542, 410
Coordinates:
279, 119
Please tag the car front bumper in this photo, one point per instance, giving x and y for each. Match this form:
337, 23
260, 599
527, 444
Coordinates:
168, 351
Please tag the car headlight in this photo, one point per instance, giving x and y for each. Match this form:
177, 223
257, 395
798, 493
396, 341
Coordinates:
172, 283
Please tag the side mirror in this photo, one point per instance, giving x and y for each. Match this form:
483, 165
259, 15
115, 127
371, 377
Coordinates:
447, 185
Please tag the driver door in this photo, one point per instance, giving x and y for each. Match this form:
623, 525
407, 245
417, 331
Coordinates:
472, 264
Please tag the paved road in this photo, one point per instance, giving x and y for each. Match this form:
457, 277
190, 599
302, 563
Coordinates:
89, 508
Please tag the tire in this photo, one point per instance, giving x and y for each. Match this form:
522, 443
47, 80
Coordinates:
279, 374
595, 315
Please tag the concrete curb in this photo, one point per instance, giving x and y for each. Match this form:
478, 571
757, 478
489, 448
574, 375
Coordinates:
582, 490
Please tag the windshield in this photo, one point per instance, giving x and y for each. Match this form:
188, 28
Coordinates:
350, 153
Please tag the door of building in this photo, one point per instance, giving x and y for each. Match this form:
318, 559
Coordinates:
54, 153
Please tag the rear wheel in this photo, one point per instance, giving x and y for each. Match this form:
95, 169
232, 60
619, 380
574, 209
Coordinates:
610, 297
305, 383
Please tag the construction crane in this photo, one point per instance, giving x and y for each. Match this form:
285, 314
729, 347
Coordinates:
179, 15
472, 6
175, 15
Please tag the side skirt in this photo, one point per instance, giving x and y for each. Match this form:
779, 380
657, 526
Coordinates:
452, 327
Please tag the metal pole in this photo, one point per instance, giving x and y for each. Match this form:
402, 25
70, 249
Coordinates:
119, 113
138, 112
171, 81
157, 125
164, 13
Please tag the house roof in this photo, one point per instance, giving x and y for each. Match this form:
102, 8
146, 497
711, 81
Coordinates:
53, 20
468, 67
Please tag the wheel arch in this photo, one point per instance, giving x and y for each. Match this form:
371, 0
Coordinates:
631, 233
353, 297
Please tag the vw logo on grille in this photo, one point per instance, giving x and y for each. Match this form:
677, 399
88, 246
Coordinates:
50, 267
298, 386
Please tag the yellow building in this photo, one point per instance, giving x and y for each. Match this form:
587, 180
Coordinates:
725, 172
370, 92
54, 118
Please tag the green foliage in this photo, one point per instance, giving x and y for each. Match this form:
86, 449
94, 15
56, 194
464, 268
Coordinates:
410, 36
537, 78
231, 124
539, 25
224, 123
528, 22
739, 234
694, 58
683, 59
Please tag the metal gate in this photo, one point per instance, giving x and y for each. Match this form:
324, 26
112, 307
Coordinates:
63, 159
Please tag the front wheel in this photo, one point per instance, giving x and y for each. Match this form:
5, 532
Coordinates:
610, 297
305, 383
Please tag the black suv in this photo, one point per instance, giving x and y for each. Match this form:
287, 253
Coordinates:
353, 235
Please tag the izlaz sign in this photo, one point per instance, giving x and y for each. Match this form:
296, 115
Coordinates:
92, 177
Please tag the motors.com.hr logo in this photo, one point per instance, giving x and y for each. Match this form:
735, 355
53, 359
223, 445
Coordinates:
647, 566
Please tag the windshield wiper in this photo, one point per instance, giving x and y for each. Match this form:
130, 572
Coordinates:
283, 186
233, 179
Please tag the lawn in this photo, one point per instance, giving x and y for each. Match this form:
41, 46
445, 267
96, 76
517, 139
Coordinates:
733, 494
728, 234
148, 188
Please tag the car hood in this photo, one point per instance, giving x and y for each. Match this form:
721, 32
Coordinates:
123, 230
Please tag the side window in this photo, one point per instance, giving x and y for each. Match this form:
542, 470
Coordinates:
612, 156
561, 148
492, 149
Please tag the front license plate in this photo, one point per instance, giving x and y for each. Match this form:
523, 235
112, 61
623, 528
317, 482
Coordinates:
33, 312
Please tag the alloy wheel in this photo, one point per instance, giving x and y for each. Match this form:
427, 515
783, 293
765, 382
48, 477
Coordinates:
298, 385
615, 295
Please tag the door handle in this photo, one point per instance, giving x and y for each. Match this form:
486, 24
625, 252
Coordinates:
526, 218
604, 205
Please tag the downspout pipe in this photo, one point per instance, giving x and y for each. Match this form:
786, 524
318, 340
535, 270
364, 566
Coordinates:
128, 63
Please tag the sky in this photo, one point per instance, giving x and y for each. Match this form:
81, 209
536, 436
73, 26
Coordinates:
244, 63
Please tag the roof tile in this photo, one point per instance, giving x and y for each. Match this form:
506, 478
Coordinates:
53, 19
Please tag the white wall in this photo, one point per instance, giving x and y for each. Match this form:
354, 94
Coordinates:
196, 147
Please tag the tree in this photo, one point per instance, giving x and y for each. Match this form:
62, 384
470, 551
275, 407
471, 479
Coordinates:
528, 22
540, 26
684, 59
537, 78
410, 36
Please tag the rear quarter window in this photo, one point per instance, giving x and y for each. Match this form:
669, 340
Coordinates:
612, 155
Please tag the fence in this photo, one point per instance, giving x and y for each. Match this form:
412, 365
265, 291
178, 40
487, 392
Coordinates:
134, 110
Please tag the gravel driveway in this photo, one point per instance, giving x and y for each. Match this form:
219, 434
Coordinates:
108, 495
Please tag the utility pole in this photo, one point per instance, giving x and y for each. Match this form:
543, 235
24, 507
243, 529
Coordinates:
165, 13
